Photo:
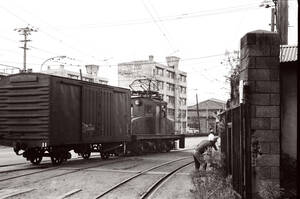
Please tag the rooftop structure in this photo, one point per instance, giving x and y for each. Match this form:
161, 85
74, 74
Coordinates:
91, 76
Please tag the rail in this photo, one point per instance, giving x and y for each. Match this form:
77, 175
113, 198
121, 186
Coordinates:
137, 175
156, 185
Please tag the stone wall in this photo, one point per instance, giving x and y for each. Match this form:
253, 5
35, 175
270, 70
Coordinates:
260, 71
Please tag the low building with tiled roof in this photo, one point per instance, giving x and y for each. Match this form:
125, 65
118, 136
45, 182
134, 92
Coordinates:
288, 53
208, 110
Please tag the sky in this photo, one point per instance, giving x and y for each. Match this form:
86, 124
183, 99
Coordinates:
108, 32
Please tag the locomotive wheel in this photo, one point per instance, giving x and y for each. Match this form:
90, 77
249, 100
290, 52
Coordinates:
141, 149
36, 160
86, 155
155, 148
56, 160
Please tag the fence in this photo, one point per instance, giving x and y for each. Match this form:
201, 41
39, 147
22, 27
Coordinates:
236, 145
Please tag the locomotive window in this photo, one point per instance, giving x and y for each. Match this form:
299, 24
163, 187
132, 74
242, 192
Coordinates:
148, 109
163, 111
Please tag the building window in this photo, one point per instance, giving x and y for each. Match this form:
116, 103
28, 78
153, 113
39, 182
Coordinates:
137, 67
182, 78
159, 71
183, 89
183, 113
182, 101
170, 74
170, 87
171, 99
171, 111
160, 85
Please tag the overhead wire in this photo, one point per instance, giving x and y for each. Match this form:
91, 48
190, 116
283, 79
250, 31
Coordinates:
159, 20
155, 21
14, 51
170, 17
55, 29
47, 34
167, 33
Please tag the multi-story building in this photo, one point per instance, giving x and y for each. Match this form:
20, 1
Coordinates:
171, 83
91, 76
207, 110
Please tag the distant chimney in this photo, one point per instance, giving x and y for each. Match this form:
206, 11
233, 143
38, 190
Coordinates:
92, 69
172, 61
151, 57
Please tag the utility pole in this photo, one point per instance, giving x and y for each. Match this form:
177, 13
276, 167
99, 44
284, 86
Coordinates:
282, 21
198, 112
207, 117
26, 32
272, 19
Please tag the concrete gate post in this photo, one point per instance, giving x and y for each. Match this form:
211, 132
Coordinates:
260, 71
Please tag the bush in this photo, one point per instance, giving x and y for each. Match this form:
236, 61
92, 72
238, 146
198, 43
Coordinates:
270, 190
212, 183
288, 176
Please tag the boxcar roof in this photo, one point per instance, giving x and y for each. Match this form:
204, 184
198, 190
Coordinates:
71, 80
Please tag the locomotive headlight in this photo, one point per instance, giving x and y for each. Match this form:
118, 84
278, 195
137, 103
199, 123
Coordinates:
137, 102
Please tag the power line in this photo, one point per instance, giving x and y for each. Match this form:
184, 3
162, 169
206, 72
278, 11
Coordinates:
203, 57
10, 66
12, 62
49, 35
170, 17
55, 29
43, 50
162, 26
14, 52
157, 24
8, 39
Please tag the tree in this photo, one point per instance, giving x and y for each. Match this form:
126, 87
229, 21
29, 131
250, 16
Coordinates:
232, 59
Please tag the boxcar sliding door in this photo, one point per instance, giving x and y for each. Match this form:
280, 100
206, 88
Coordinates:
67, 121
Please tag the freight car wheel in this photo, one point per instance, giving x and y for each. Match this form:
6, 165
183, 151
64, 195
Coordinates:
56, 160
86, 155
164, 147
36, 160
141, 148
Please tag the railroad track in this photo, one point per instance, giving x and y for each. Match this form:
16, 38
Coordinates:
151, 191
10, 165
154, 186
75, 191
102, 163
45, 164
23, 191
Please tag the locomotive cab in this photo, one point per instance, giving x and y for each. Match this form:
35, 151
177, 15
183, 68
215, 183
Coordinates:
152, 131
148, 116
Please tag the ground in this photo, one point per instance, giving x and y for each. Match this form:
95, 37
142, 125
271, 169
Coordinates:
100, 176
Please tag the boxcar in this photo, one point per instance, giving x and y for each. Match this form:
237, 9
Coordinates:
47, 115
